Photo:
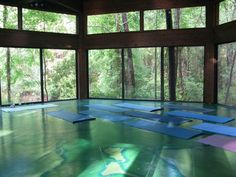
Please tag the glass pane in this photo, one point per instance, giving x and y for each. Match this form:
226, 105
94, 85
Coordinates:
111, 23
193, 17
189, 73
154, 20
190, 68
20, 75
59, 74
105, 73
227, 74
35, 20
142, 73
227, 11
8, 17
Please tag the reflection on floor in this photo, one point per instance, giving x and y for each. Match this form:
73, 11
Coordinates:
35, 144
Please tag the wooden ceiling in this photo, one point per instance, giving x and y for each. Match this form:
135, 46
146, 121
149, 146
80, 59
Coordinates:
62, 6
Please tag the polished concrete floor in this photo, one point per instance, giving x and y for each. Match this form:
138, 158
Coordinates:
33, 144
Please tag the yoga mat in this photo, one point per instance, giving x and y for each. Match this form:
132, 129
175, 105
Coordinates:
107, 116
214, 128
165, 119
28, 107
138, 107
224, 142
188, 108
164, 129
106, 107
70, 116
210, 118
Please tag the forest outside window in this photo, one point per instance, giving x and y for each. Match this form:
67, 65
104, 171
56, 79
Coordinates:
105, 73
188, 73
227, 74
227, 9
181, 18
142, 76
111, 23
8, 17
59, 74
35, 20
20, 75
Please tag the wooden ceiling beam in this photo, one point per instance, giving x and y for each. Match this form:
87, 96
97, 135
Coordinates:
92, 7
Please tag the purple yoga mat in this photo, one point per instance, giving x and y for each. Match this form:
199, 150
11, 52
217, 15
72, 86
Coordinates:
227, 143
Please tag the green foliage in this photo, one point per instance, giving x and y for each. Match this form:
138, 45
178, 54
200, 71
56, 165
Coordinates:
10, 15
60, 74
110, 23
227, 10
35, 20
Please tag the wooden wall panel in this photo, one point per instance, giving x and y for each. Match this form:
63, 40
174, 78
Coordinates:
17, 38
108, 6
148, 39
225, 33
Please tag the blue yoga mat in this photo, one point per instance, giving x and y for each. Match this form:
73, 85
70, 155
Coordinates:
210, 118
214, 128
28, 107
187, 108
164, 129
107, 116
165, 119
106, 108
70, 116
138, 107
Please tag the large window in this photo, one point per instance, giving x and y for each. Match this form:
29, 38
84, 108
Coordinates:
142, 78
59, 68
181, 18
111, 23
154, 20
227, 74
227, 11
189, 69
35, 20
20, 75
8, 17
105, 73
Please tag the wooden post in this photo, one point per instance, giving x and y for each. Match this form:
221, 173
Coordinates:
210, 67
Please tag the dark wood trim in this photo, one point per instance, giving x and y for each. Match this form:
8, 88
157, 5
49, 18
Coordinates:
210, 63
41, 75
141, 20
225, 33
83, 74
123, 72
193, 37
59, 6
107, 6
20, 23
17, 38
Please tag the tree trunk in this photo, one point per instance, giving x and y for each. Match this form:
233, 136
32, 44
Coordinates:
8, 58
45, 78
129, 74
172, 68
230, 79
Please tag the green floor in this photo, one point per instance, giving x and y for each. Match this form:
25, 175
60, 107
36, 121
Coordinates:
34, 144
